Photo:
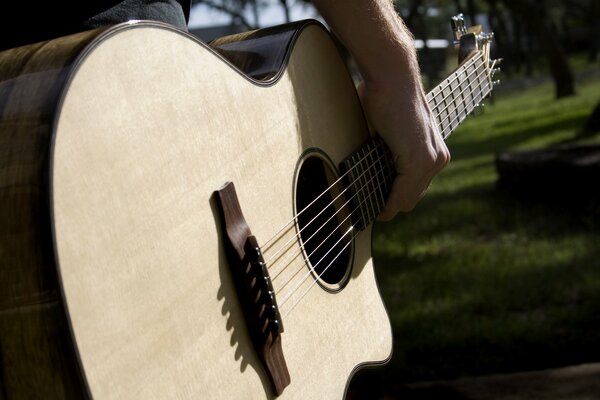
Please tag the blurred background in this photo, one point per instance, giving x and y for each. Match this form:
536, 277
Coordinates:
497, 270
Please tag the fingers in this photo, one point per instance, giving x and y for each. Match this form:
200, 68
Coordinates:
402, 118
410, 185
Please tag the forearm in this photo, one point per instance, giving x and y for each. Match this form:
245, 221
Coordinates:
392, 94
377, 38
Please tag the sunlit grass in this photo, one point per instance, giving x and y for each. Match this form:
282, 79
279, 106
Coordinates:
477, 281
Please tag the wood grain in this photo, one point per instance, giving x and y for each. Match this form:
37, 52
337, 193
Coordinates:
149, 124
36, 351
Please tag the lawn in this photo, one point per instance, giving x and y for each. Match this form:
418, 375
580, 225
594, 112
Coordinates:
477, 281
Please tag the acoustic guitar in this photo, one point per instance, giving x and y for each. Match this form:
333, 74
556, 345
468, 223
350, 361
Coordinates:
191, 220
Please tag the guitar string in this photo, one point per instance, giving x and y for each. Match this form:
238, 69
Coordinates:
333, 247
305, 242
454, 76
458, 116
318, 277
475, 99
341, 209
335, 229
268, 244
285, 315
294, 238
288, 296
477, 77
315, 265
447, 83
290, 224
324, 256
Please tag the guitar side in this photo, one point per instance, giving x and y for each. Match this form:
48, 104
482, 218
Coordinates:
37, 357
150, 124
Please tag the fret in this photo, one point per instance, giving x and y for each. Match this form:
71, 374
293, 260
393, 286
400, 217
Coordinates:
358, 190
368, 183
368, 174
438, 111
432, 100
430, 96
372, 177
456, 97
457, 103
370, 171
373, 181
455, 106
371, 168
471, 95
364, 189
376, 163
447, 93
474, 85
368, 189
388, 170
463, 77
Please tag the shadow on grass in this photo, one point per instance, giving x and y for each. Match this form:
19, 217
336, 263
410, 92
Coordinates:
464, 149
485, 212
478, 282
517, 320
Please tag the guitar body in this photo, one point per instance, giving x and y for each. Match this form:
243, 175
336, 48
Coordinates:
116, 234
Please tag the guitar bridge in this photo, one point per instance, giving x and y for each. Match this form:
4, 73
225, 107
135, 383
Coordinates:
254, 289
259, 282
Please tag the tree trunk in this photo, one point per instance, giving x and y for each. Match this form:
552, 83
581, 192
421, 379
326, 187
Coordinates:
472, 8
543, 30
286, 10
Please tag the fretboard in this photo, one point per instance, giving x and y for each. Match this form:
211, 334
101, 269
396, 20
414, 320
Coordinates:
457, 96
370, 171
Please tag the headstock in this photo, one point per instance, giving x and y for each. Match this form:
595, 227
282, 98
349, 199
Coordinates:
472, 40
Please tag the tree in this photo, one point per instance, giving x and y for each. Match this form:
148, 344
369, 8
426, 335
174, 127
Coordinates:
542, 28
236, 9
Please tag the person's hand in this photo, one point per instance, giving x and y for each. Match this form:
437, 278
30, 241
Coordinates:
399, 113
392, 95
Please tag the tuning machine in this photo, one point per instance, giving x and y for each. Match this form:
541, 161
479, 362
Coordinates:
458, 27
485, 38
478, 110
495, 67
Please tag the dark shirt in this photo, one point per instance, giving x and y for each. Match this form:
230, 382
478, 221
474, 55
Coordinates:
41, 20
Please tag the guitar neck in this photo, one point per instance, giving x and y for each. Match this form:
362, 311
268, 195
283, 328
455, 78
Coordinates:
370, 170
457, 96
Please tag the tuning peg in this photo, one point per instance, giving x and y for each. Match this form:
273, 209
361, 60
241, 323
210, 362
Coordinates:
495, 71
458, 26
497, 62
478, 110
485, 38
495, 83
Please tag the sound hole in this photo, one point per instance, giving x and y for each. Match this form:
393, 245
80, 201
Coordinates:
323, 221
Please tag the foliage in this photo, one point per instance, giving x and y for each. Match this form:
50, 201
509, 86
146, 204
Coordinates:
236, 8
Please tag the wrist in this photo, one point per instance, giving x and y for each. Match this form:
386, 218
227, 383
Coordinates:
394, 69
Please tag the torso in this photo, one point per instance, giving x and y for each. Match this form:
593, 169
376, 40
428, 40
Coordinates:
44, 20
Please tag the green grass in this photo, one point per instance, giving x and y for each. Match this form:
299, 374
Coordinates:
477, 281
